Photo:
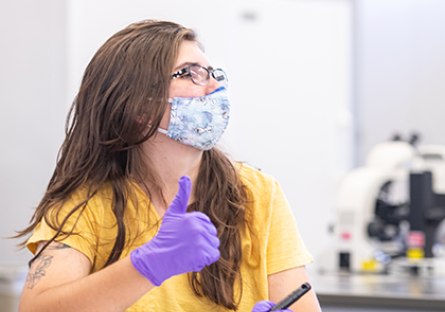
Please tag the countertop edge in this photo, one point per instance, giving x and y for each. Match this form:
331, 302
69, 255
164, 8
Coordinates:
350, 300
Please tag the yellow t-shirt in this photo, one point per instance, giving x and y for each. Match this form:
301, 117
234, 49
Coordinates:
276, 245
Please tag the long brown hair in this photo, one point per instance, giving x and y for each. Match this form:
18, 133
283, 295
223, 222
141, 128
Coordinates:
127, 78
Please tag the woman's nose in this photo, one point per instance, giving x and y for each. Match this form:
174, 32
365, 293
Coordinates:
212, 85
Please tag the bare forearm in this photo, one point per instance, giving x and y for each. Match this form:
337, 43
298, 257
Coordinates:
112, 289
283, 283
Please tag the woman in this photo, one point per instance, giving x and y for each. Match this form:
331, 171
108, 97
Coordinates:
148, 113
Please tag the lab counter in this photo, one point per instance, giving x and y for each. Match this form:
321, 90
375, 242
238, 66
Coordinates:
379, 292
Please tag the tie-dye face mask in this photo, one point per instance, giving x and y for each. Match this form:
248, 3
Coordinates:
199, 121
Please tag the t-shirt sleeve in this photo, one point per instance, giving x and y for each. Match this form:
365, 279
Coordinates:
84, 237
285, 248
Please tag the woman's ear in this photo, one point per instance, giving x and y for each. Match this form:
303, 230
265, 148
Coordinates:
142, 119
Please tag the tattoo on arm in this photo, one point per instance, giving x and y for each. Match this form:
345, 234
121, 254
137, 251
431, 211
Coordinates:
53, 246
58, 246
42, 263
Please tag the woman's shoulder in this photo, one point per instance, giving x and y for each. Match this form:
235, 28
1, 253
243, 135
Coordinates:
91, 194
98, 201
259, 183
86, 199
252, 174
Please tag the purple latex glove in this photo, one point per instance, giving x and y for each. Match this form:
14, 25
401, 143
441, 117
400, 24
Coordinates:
185, 242
265, 306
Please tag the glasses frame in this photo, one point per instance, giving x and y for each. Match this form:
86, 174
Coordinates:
187, 70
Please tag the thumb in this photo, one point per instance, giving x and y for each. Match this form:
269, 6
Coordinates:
179, 204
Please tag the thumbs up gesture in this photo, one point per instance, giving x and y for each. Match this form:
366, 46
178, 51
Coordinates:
186, 242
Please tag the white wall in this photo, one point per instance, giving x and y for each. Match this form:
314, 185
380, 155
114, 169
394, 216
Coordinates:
400, 70
32, 110
290, 84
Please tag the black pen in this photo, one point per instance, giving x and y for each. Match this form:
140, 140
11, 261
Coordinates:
292, 297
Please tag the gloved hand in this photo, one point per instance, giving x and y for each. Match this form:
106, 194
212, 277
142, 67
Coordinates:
265, 306
185, 242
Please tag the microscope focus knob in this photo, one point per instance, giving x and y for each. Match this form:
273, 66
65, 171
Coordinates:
375, 228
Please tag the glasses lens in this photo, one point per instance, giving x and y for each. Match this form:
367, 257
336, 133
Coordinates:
221, 77
200, 75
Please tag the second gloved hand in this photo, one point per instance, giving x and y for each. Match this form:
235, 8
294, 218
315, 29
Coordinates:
186, 242
265, 306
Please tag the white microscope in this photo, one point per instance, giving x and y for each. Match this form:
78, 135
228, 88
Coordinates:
380, 203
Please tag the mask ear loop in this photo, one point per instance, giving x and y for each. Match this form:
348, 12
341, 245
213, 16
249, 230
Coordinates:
163, 131
160, 129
